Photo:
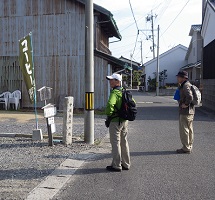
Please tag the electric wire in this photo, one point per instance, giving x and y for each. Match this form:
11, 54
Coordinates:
164, 8
136, 27
175, 18
135, 43
133, 15
131, 24
119, 47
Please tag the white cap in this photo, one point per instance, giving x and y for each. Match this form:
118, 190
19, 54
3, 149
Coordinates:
114, 76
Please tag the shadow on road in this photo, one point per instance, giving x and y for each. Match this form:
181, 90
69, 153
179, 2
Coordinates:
157, 113
153, 153
106, 156
91, 171
169, 113
24, 174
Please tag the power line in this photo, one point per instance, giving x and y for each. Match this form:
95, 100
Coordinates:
133, 14
135, 42
136, 27
175, 18
164, 8
131, 24
119, 47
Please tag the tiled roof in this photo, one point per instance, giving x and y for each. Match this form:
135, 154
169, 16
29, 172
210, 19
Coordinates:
129, 61
212, 3
110, 26
197, 65
196, 27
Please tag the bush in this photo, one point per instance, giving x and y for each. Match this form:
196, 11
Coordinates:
135, 83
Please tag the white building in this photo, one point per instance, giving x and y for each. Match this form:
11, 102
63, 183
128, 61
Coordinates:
172, 61
194, 55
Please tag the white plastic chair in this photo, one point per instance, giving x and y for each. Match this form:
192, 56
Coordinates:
15, 99
4, 98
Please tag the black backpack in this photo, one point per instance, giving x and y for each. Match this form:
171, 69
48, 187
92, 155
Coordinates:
128, 110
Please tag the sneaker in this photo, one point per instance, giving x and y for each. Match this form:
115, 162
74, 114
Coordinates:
124, 168
112, 169
181, 151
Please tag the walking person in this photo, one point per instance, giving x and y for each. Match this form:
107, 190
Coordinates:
186, 113
118, 127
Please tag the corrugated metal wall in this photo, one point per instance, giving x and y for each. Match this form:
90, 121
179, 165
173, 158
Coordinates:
10, 74
58, 28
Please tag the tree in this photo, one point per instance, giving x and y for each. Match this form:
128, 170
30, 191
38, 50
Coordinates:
136, 76
151, 83
163, 76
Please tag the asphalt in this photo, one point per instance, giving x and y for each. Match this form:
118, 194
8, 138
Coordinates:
157, 172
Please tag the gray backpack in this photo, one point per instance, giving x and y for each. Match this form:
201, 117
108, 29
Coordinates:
197, 97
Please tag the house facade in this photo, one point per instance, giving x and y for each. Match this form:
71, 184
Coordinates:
172, 61
136, 72
194, 54
208, 64
58, 31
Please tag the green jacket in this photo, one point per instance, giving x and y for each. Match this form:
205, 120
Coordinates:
115, 99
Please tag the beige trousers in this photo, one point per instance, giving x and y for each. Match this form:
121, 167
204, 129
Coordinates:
186, 131
120, 149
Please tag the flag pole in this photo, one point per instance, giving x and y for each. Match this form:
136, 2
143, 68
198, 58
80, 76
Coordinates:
35, 93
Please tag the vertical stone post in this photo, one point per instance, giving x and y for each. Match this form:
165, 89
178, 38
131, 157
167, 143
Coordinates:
67, 120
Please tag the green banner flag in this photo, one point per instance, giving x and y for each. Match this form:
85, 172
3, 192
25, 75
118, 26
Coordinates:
27, 65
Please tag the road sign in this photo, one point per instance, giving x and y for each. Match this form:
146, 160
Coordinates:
49, 110
51, 120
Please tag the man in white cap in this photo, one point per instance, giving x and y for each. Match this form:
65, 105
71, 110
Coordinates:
118, 127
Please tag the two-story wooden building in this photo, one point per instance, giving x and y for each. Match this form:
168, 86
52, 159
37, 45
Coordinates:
58, 31
194, 55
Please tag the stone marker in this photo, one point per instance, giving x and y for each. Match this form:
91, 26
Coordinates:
67, 120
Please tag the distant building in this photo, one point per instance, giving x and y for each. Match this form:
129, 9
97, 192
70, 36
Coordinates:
193, 56
172, 61
135, 67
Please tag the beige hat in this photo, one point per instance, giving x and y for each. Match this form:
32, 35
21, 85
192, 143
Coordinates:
114, 76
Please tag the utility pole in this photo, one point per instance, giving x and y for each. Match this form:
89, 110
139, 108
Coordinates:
151, 19
153, 40
131, 70
157, 77
141, 49
89, 75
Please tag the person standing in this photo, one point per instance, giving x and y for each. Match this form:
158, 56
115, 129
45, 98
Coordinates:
186, 113
118, 127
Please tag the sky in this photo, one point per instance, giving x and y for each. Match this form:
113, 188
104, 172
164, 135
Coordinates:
174, 18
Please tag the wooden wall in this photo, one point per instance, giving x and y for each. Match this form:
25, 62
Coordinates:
10, 74
58, 28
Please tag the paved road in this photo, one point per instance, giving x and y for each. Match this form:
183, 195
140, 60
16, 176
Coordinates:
157, 172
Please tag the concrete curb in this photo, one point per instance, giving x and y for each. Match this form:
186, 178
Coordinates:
7, 134
25, 135
13, 135
52, 184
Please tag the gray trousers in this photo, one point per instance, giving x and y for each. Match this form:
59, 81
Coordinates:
186, 131
120, 149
